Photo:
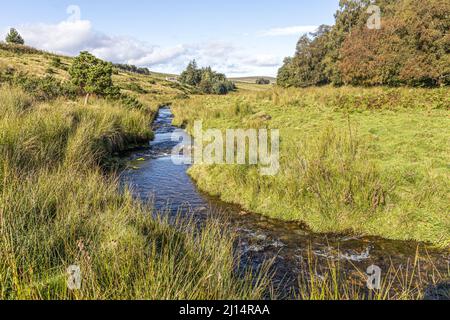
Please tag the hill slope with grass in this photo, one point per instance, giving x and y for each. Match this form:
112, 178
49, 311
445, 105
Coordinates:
151, 89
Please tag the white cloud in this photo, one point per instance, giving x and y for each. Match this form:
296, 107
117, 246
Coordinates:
160, 55
71, 36
264, 60
289, 31
64, 37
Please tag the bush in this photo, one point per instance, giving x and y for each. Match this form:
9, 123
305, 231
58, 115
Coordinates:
133, 69
19, 49
262, 81
91, 75
42, 89
56, 62
206, 80
135, 87
131, 102
14, 37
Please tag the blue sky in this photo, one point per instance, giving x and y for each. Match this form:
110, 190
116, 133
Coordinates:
239, 38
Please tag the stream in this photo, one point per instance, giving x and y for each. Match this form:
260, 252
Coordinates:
155, 178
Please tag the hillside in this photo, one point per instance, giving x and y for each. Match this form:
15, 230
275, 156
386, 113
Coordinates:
152, 89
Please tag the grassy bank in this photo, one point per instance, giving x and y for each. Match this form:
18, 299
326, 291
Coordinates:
372, 161
58, 208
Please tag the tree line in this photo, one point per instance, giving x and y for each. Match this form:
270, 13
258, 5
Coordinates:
132, 68
411, 47
206, 80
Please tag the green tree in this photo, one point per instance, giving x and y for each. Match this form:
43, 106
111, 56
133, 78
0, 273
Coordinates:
262, 81
286, 73
308, 66
14, 37
192, 75
92, 76
206, 80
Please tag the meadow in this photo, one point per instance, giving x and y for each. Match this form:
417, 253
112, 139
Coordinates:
372, 161
351, 160
61, 203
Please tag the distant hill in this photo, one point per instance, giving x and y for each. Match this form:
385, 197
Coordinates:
253, 79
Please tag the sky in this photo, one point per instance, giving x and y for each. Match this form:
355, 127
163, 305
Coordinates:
238, 38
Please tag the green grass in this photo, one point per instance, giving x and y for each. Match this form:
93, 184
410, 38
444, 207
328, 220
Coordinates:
58, 208
370, 161
155, 90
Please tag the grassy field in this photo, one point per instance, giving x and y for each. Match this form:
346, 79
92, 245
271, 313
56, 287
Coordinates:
343, 167
370, 161
59, 206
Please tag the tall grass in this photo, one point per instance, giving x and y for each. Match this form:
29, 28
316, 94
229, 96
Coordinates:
371, 161
57, 208
326, 280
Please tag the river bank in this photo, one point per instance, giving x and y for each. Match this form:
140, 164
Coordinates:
293, 249
58, 208
365, 161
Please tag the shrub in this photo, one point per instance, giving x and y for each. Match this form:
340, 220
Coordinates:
136, 88
56, 62
91, 75
262, 81
19, 49
131, 102
206, 80
132, 68
42, 89
14, 37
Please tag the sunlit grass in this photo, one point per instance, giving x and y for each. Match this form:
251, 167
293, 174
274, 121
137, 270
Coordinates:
326, 280
371, 161
58, 208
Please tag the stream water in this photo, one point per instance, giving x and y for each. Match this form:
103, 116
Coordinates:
154, 177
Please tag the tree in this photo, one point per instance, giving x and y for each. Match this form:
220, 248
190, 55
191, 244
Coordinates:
308, 66
14, 37
192, 75
286, 73
411, 48
262, 81
92, 75
206, 80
